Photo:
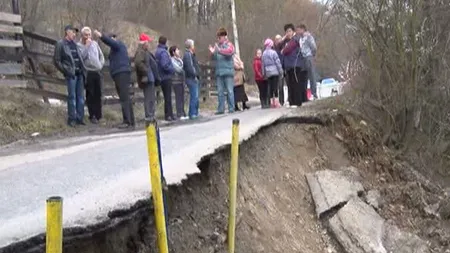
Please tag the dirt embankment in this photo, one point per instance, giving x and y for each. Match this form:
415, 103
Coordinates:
275, 209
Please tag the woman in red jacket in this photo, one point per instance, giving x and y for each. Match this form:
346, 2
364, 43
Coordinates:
259, 78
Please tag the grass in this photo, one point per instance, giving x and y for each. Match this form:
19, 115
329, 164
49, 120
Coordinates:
22, 114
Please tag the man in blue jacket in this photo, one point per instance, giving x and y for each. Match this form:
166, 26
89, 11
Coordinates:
120, 70
191, 70
166, 71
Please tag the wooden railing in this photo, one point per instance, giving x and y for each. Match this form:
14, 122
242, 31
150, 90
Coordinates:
11, 44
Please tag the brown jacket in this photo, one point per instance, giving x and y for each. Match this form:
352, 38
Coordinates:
239, 75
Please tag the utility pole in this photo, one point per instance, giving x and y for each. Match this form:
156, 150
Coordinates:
235, 30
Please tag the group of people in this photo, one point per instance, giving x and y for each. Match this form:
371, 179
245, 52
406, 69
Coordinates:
81, 64
290, 60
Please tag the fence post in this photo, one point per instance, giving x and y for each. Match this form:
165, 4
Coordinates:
156, 185
54, 235
233, 185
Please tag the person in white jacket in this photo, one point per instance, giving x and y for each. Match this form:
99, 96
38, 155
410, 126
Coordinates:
93, 60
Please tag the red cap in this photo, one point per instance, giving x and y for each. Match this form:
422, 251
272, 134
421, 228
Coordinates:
144, 37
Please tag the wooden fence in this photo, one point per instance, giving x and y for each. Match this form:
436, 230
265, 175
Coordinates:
22, 66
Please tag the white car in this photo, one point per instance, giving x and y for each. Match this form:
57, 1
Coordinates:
327, 88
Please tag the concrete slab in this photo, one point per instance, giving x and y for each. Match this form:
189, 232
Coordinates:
399, 241
358, 228
331, 189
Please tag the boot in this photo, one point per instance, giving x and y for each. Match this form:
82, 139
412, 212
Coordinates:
236, 107
277, 103
245, 106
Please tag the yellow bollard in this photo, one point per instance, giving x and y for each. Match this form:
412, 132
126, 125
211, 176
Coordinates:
54, 235
233, 185
155, 179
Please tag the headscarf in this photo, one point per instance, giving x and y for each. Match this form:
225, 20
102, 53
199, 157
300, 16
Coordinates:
268, 43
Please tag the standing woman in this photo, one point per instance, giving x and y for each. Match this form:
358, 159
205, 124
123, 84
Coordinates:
239, 88
272, 71
259, 79
178, 79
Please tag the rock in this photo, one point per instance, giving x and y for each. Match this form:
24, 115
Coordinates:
373, 198
399, 241
330, 189
358, 228
444, 209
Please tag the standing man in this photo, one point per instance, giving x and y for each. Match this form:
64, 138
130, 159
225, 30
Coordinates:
308, 49
166, 72
68, 60
191, 70
222, 53
147, 74
94, 61
120, 69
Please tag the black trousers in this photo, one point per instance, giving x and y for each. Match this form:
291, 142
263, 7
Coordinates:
297, 81
281, 89
263, 93
123, 81
94, 82
166, 87
273, 86
178, 88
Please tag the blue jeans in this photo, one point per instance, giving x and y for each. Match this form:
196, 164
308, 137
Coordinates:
225, 83
75, 98
193, 87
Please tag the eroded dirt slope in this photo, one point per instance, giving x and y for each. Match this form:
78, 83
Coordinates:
275, 208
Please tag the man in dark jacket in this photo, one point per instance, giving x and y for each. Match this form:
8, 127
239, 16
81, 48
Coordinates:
120, 70
69, 61
166, 71
147, 74
191, 70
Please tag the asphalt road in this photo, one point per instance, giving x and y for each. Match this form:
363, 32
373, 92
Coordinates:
103, 173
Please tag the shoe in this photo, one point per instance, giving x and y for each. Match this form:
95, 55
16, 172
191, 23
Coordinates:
124, 126
80, 122
246, 107
276, 103
94, 121
293, 106
193, 117
237, 109
170, 119
184, 118
272, 103
219, 113
71, 124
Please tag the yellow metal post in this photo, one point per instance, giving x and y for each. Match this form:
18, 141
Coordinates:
54, 235
233, 185
157, 193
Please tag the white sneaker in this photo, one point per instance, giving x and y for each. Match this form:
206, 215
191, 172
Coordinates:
184, 118
293, 106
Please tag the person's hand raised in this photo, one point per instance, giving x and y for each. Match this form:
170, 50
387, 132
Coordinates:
97, 33
212, 49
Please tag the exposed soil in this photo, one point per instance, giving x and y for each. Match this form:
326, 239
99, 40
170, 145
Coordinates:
275, 209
